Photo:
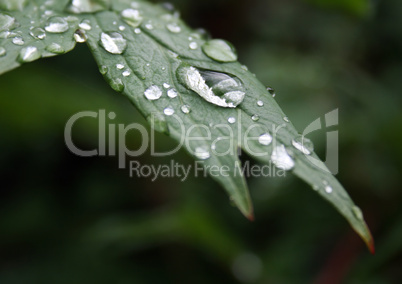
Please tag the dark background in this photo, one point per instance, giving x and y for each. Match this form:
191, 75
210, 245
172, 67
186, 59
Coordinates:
67, 219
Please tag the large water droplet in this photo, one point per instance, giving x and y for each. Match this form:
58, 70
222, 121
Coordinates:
28, 54
18, 40
153, 93
132, 17
202, 153
79, 36
303, 144
173, 27
357, 212
7, 22
117, 85
38, 33
87, 6
113, 42
281, 159
265, 139
217, 88
172, 93
260, 103
219, 50
193, 45
126, 73
55, 48
168, 111
3, 51
56, 25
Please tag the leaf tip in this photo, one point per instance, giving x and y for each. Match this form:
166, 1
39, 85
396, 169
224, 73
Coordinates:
370, 244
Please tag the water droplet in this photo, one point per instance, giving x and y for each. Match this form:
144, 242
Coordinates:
38, 33
18, 40
172, 93
113, 42
260, 103
193, 45
149, 26
122, 28
166, 85
168, 6
137, 30
173, 28
244, 67
328, 189
220, 89
286, 119
316, 187
56, 25
168, 111
185, 109
55, 48
255, 117
202, 153
153, 93
12, 5
7, 22
29, 54
117, 85
271, 91
281, 159
3, 51
219, 50
231, 120
357, 212
163, 68
87, 6
85, 25
103, 69
265, 139
303, 144
126, 73
79, 36
119, 66
132, 17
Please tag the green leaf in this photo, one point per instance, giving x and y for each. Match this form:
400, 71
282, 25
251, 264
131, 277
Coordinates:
150, 55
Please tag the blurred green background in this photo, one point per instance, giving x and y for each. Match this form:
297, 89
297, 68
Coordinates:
67, 219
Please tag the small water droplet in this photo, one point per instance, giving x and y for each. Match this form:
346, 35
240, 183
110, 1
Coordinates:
328, 189
166, 85
316, 187
153, 93
185, 109
265, 139
117, 85
255, 117
132, 17
126, 73
137, 30
55, 48
56, 25
220, 89
357, 212
303, 144
193, 45
7, 23
85, 25
122, 28
86, 6
172, 93
202, 153
220, 50
286, 119
231, 120
79, 36
281, 159
163, 68
168, 111
119, 66
260, 103
18, 40
113, 42
271, 91
3, 51
149, 26
173, 28
29, 54
103, 69
244, 67
38, 33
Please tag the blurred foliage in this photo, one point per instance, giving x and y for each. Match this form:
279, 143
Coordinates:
67, 219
